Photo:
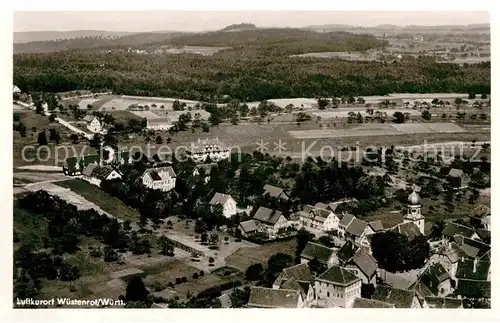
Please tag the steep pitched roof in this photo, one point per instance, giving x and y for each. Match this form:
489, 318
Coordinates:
338, 276
273, 298
433, 276
356, 227
443, 302
346, 219
219, 198
266, 215
452, 229
366, 263
401, 298
474, 288
455, 172
320, 205
370, 303
272, 190
248, 226
89, 169
398, 280
102, 172
472, 248
473, 269
347, 251
376, 225
300, 272
155, 172
408, 229
314, 250
294, 284
207, 168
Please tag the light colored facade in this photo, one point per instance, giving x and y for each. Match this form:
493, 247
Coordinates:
95, 174
162, 178
337, 287
159, 124
227, 202
203, 149
414, 211
93, 124
319, 221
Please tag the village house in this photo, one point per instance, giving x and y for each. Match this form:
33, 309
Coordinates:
472, 248
337, 287
73, 166
226, 201
480, 217
346, 253
435, 281
15, 89
298, 277
161, 178
275, 192
358, 231
403, 280
478, 289
473, 269
93, 123
451, 229
95, 174
376, 226
344, 223
324, 255
159, 124
401, 298
442, 302
204, 170
208, 148
448, 255
364, 266
248, 228
370, 303
270, 221
318, 221
408, 229
262, 297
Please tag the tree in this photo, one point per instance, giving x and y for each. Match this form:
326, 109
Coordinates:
205, 127
458, 101
323, 103
42, 138
399, 117
254, 272
204, 238
316, 267
484, 96
159, 140
435, 101
214, 239
136, 290
52, 118
278, 262
426, 115
472, 96
110, 254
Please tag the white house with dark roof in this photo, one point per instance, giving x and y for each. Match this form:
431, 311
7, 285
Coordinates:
204, 148
318, 220
204, 170
434, 281
364, 266
160, 178
95, 174
337, 287
262, 297
298, 277
401, 298
159, 124
93, 123
275, 192
248, 228
358, 231
344, 222
324, 255
270, 221
226, 201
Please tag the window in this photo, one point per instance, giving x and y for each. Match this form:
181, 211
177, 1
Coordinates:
327, 294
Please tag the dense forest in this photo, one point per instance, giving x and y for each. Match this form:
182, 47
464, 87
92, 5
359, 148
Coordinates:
210, 78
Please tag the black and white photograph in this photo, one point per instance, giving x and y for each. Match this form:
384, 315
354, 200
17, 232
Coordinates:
291, 159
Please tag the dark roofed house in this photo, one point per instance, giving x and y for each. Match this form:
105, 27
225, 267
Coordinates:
227, 203
204, 169
357, 232
95, 174
346, 252
370, 303
376, 225
473, 269
75, 165
472, 248
248, 228
364, 266
452, 228
326, 256
473, 288
270, 221
401, 298
443, 302
298, 277
408, 229
262, 297
437, 279
337, 287
275, 192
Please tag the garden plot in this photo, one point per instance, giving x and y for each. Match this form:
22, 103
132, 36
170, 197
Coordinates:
428, 128
174, 115
85, 102
145, 114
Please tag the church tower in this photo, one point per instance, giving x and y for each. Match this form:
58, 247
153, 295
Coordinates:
414, 210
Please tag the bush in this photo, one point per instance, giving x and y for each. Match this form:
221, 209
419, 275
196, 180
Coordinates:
170, 284
184, 279
178, 281
202, 273
195, 276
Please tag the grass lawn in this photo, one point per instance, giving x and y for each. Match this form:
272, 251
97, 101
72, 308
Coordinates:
244, 257
106, 202
122, 116
224, 272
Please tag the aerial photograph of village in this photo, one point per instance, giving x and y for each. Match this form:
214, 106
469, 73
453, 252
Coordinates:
251, 163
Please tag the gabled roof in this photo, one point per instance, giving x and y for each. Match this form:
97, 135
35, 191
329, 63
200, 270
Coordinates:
473, 269
206, 167
473, 288
455, 172
339, 276
89, 118
219, 198
401, 298
408, 229
453, 228
266, 215
102, 172
273, 190
248, 226
399, 280
225, 301
155, 172
443, 302
433, 276
356, 227
346, 252
472, 248
314, 250
366, 263
273, 298
87, 171
370, 303
300, 272
376, 225
294, 284
320, 205
346, 219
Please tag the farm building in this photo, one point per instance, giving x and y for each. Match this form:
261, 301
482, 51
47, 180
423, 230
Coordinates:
208, 148
247, 228
159, 124
324, 255
226, 201
93, 123
75, 165
95, 174
161, 178
275, 192
270, 221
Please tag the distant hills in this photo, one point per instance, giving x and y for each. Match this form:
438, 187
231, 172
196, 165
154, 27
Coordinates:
475, 28
33, 36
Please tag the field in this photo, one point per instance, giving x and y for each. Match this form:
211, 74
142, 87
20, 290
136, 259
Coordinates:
351, 56
124, 101
123, 116
145, 114
106, 202
244, 257
202, 50
50, 155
